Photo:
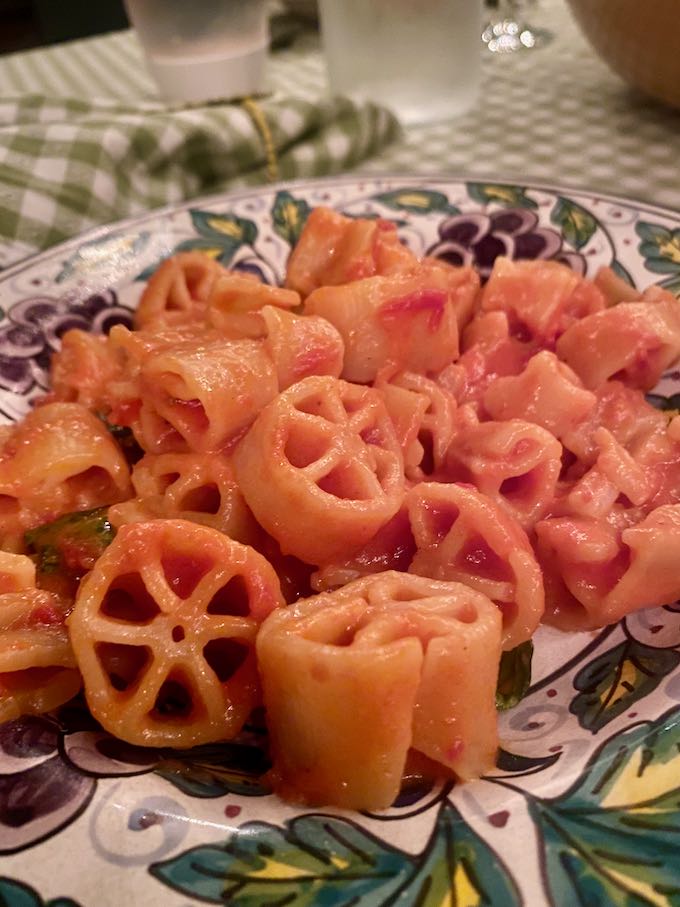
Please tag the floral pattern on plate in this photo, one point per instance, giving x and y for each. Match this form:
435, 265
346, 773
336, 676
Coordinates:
584, 806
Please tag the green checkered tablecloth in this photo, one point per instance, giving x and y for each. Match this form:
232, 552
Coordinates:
554, 114
66, 165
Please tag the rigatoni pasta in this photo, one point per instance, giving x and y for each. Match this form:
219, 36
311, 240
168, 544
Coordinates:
354, 678
37, 664
58, 459
335, 250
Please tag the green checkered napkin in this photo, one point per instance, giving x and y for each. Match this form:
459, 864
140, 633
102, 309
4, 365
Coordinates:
67, 165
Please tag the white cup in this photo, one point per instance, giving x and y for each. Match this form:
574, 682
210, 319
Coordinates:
204, 50
421, 58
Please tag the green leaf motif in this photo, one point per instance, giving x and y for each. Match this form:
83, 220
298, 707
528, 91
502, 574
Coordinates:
314, 860
514, 675
672, 284
622, 272
322, 860
197, 244
206, 782
289, 215
214, 770
504, 194
417, 201
458, 868
14, 893
652, 233
613, 681
660, 247
612, 840
524, 765
577, 224
220, 236
224, 231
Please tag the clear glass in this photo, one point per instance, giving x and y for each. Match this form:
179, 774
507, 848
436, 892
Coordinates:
207, 50
180, 28
421, 58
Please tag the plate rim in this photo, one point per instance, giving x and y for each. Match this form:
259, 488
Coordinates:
238, 193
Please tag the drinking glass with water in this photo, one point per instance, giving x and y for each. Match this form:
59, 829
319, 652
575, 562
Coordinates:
421, 58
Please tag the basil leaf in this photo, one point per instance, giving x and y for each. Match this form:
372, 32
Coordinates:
125, 439
71, 544
514, 675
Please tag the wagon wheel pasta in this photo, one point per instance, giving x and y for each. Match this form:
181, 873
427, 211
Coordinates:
541, 298
391, 548
621, 410
514, 463
462, 536
301, 346
658, 454
547, 392
17, 572
324, 450
652, 576
370, 662
164, 631
614, 475
423, 415
582, 561
83, 370
490, 351
189, 486
178, 290
407, 412
598, 573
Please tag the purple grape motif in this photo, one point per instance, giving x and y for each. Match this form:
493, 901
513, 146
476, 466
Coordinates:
50, 765
39, 792
478, 239
35, 326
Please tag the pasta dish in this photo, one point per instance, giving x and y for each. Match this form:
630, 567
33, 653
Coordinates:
351, 500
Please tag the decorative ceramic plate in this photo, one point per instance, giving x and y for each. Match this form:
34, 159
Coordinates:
584, 806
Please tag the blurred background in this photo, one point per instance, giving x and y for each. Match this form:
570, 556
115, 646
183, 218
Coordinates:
32, 23
639, 41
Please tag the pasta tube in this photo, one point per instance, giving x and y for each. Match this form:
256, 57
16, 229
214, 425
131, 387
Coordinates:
353, 678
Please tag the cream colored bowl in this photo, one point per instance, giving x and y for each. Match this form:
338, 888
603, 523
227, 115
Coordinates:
638, 39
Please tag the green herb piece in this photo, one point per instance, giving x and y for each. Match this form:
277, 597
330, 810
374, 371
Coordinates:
514, 676
125, 439
71, 544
